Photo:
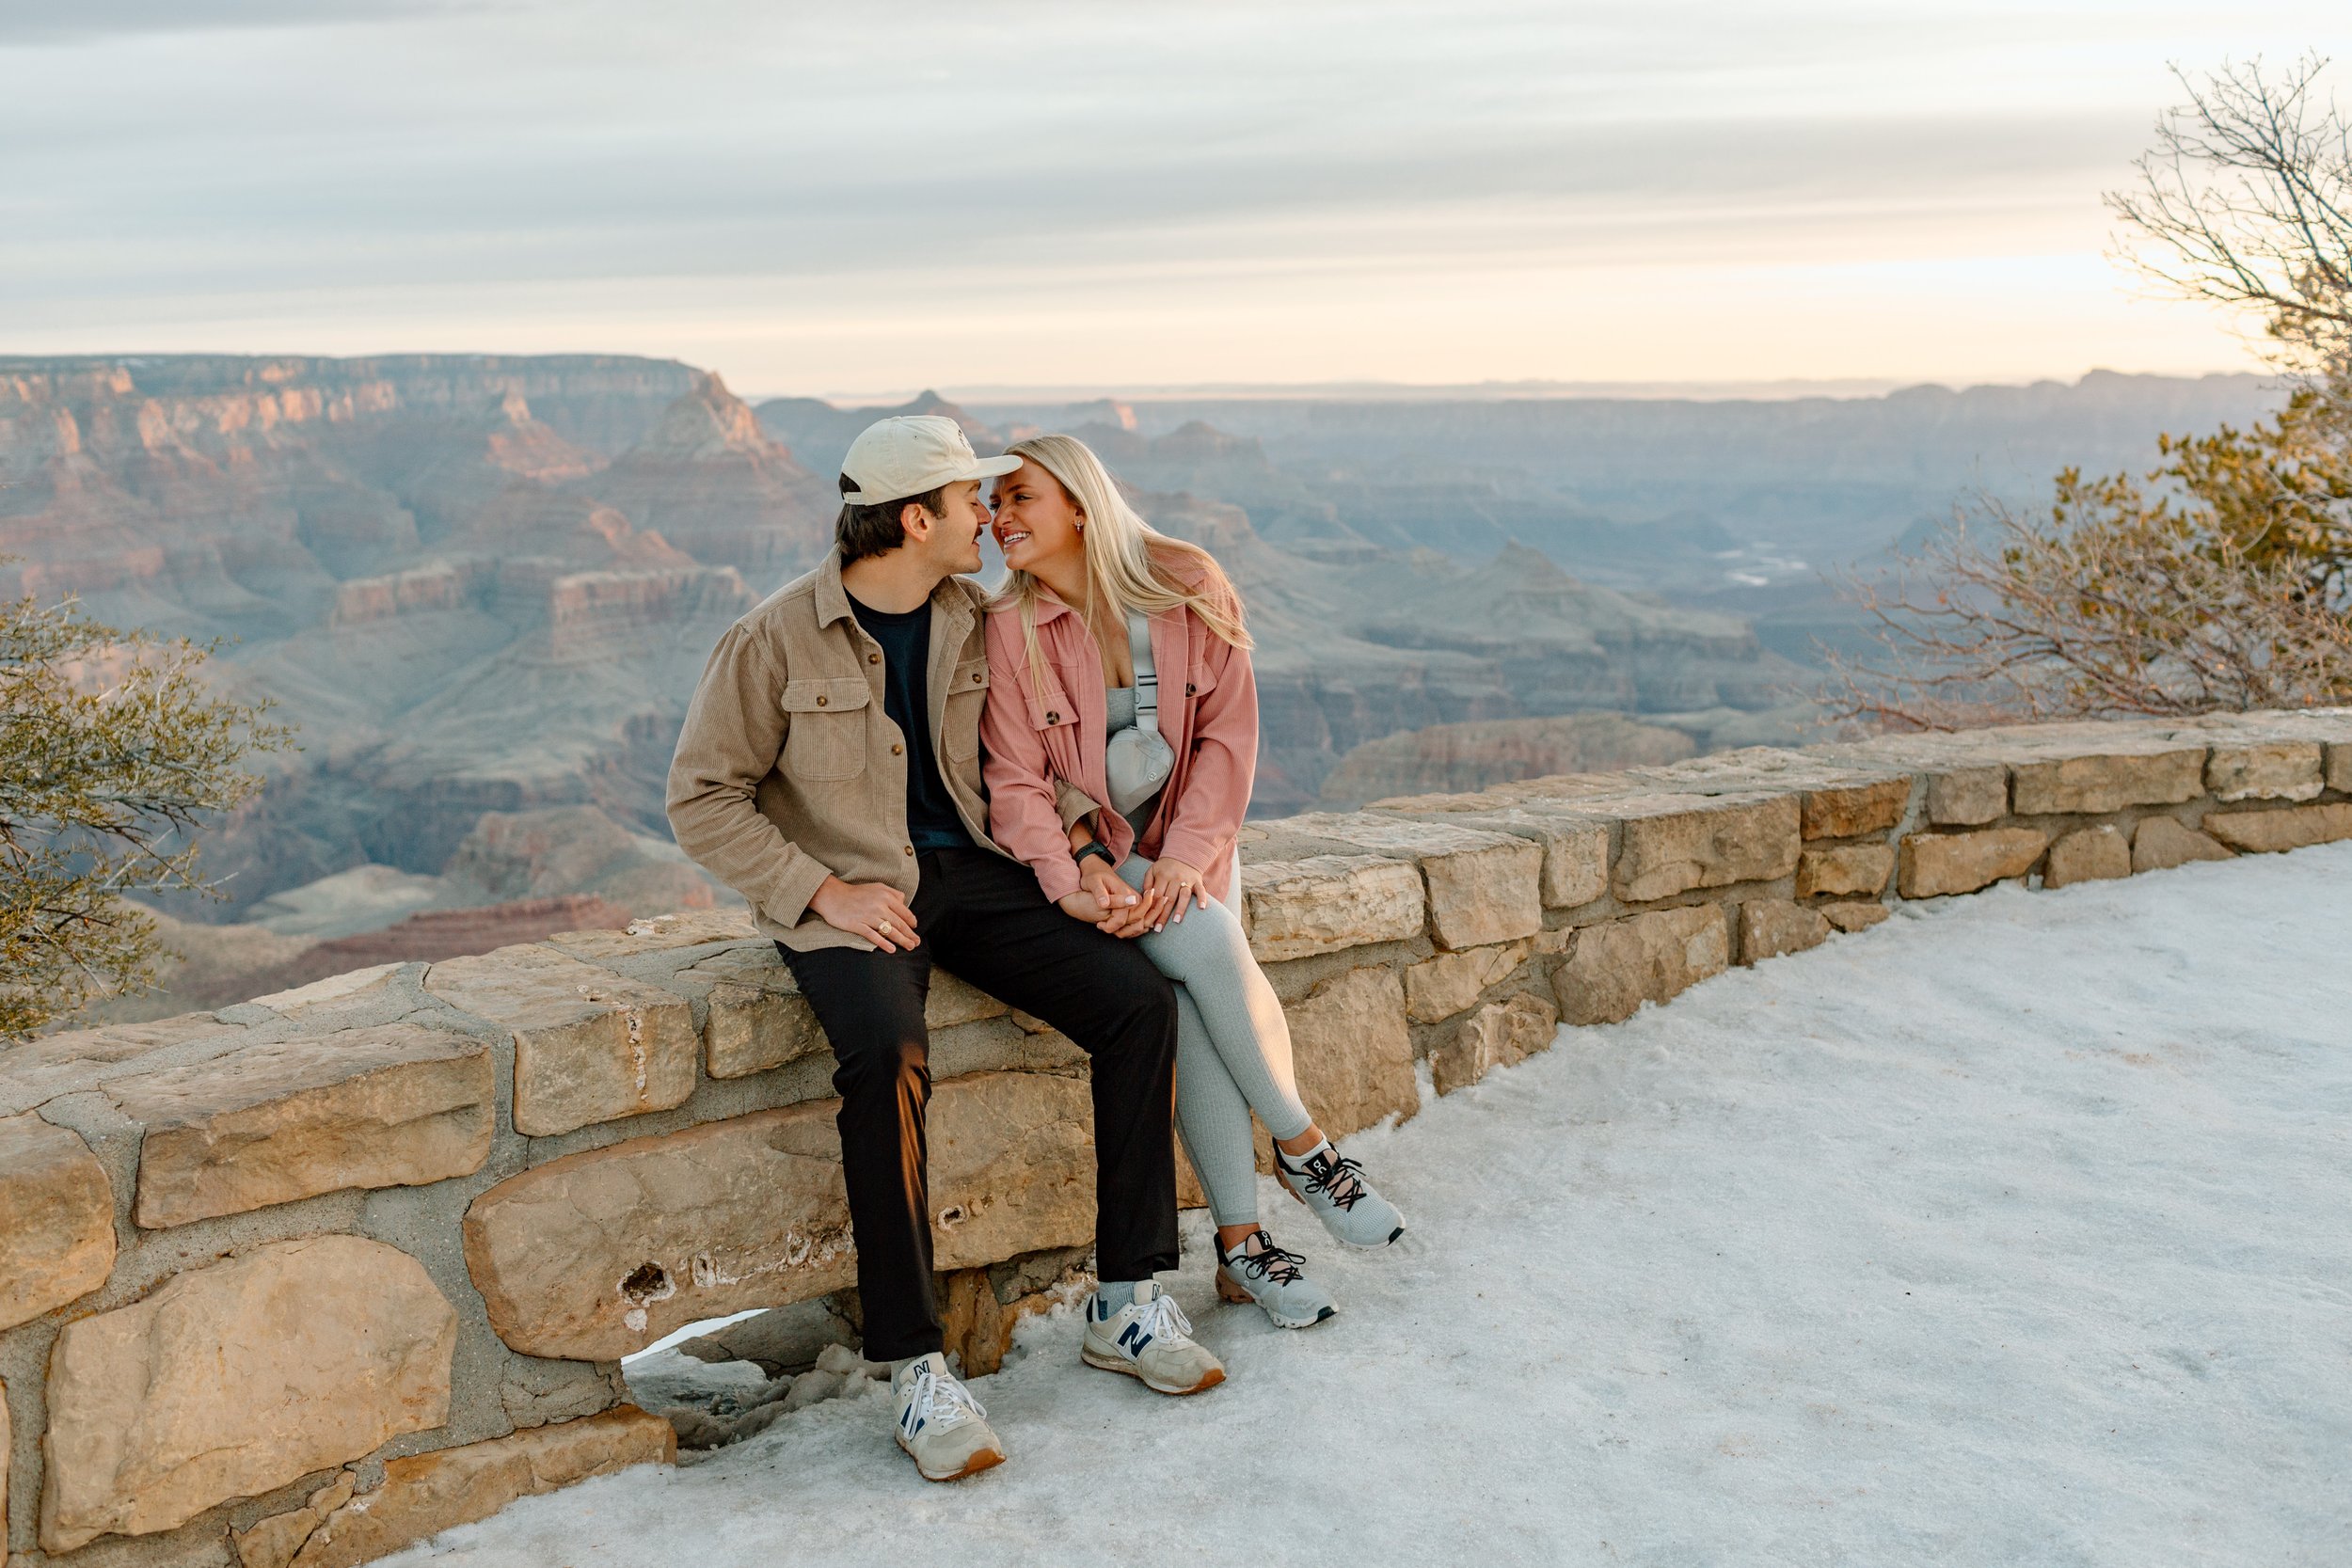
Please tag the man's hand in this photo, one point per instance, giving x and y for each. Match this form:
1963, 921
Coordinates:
870, 909
1083, 905
1122, 906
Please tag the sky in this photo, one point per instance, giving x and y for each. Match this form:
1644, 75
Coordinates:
868, 198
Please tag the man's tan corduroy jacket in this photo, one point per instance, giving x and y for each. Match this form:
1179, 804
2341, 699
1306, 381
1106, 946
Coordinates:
789, 769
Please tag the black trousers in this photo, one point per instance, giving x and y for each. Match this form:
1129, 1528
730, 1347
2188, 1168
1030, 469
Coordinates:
983, 917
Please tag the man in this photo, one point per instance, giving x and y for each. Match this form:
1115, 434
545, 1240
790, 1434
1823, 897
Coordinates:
830, 773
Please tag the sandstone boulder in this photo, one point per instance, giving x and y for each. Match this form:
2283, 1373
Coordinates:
952, 1001
1352, 1051
2087, 855
394, 1107
2267, 770
273, 1541
1482, 887
662, 933
1325, 903
756, 1018
1012, 1166
2287, 828
1576, 851
233, 1379
1772, 926
1449, 982
1672, 844
425, 1494
1498, 1035
1845, 868
596, 1255
1853, 916
2110, 783
2159, 844
1851, 810
1612, 968
2340, 766
352, 986
35, 1072
589, 1045
56, 1219
1934, 865
1968, 797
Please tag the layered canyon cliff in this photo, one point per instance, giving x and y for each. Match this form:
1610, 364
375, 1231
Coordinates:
486, 585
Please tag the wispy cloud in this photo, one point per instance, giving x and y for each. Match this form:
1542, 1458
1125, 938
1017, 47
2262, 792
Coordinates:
91, 20
758, 186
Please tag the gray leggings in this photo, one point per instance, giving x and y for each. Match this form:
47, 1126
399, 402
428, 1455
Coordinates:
1233, 1049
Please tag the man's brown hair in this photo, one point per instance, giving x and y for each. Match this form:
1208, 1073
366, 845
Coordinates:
875, 529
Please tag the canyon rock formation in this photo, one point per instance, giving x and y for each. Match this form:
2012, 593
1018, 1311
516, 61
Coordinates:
486, 585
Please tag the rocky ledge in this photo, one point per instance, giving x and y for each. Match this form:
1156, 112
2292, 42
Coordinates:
311, 1277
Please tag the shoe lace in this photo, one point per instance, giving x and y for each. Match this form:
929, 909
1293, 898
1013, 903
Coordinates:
944, 1399
1336, 1176
1269, 1261
1162, 1319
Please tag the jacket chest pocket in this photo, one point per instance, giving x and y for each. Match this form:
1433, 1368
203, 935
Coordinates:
825, 733
967, 694
1052, 710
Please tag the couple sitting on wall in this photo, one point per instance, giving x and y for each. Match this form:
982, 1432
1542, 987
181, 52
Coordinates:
1039, 789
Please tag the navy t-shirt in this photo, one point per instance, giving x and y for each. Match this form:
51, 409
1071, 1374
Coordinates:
932, 822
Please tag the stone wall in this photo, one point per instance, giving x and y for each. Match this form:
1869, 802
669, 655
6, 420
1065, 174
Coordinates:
302, 1280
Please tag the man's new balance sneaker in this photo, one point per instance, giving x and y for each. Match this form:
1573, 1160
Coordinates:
1261, 1271
941, 1426
1336, 1190
1149, 1339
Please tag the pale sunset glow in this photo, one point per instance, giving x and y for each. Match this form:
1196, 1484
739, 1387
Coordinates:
1082, 195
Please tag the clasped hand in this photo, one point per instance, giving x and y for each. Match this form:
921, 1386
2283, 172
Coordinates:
1104, 901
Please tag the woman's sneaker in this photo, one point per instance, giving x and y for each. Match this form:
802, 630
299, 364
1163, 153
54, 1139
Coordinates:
941, 1426
1336, 1190
1261, 1271
1149, 1339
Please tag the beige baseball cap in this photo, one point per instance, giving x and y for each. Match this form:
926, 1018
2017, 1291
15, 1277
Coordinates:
912, 454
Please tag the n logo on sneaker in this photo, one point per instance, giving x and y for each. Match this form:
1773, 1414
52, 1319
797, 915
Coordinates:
1132, 1338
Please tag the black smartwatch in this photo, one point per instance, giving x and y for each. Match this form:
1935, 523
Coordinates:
1094, 847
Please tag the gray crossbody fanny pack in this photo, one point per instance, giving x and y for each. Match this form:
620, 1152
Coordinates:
1139, 760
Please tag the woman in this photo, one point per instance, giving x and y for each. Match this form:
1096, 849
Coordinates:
1119, 663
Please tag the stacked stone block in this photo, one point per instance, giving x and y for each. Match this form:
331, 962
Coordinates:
304, 1280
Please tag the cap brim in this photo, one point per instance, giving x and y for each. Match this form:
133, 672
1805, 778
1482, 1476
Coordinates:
984, 467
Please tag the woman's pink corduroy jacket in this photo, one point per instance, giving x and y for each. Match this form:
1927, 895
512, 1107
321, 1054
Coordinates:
1033, 734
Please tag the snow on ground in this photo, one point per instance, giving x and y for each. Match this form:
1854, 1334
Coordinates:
2016, 1230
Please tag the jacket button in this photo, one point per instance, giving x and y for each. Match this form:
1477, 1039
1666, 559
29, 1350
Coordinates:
873, 658
908, 847
820, 702
1053, 717
978, 677
896, 747
1189, 689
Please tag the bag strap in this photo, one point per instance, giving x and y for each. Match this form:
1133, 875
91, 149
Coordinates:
1147, 676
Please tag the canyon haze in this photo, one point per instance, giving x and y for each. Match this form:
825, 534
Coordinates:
482, 587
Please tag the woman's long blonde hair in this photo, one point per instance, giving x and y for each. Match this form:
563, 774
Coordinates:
1128, 560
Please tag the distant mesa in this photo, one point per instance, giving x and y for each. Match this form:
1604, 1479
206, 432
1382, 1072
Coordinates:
484, 586
822, 433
